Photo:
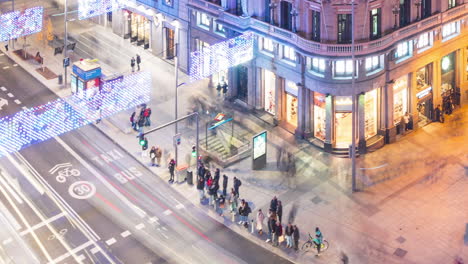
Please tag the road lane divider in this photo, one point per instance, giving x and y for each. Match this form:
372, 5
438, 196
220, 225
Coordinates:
140, 226
7, 180
27, 174
72, 252
43, 223
111, 241
125, 234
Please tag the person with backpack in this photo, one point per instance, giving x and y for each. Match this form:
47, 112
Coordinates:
237, 184
158, 156
146, 115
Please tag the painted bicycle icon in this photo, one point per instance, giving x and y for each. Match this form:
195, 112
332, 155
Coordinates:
64, 171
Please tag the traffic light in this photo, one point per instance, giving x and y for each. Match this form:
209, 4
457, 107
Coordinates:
143, 142
194, 151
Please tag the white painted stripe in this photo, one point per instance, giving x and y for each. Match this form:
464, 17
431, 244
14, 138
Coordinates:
10, 95
17, 101
164, 228
165, 236
10, 218
167, 212
153, 219
80, 258
7, 241
140, 226
15, 65
6, 67
43, 223
1, 54
179, 206
95, 250
111, 241
10, 190
3, 88
125, 233
24, 108
72, 252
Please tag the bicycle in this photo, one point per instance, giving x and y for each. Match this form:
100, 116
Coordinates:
310, 244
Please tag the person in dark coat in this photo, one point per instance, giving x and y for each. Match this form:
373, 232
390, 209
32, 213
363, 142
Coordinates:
138, 61
132, 64
225, 183
200, 186
201, 170
437, 113
237, 184
274, 204
279, 211
271, 227
278, 233
296, 237
132, 120
171, 169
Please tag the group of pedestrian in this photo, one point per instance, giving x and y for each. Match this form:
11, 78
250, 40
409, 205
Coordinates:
137, 61
155, 156
142, 120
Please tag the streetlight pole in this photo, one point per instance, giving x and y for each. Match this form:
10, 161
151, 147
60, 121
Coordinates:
65, 40
176, 68
12, 40
354, 112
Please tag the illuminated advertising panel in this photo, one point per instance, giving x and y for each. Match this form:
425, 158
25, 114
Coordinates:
91, 8
18, 24
221, 56
43, 122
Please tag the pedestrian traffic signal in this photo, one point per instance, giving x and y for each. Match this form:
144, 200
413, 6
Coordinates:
143, 142
194, 151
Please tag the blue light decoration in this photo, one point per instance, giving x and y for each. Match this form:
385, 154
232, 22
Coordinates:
18, 24
221, 56
43, 122
91, 8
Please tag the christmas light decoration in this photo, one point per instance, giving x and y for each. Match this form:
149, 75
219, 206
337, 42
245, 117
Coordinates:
221, 56
43, 122
18, 24
91, 8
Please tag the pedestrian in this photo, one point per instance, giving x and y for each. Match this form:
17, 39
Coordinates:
208, 180
288, 235
406, 119
6, 47
217, 175
158, 156
132, 120
132, 63
221, 204
277, 234
153, 155
279, 155
318, 240
274, 204
233, 201
241, 212
146, 115
211, 191
225, 183
271, 226
141, 123
279, 211
171, 170
296, 237
138, 61
260, 218
237, 184
437, 114
200, 186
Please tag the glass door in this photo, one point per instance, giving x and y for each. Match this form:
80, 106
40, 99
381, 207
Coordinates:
343, 129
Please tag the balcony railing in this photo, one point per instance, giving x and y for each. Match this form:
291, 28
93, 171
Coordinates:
361, 48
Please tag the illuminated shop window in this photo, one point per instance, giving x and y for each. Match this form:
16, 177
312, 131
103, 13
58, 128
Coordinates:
450, 30
344, 68
404, 50
267, 45
425, 41
289, 53
203, 20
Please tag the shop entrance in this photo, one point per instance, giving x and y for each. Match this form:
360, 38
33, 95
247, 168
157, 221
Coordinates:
343, 126
170, 48
242, 83
425, 110
137, 29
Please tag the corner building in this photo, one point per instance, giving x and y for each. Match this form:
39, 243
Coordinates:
410, 55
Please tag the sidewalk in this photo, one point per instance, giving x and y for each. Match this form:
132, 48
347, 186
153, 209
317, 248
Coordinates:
392, 222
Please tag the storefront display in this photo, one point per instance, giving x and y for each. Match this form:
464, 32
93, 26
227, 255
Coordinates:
343, 121
319, 116
447, 65
269, 82
137, 28
370, 114
400, 98
424, 95
291, 102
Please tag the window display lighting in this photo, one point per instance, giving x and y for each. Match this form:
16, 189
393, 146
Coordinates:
63, 115
18, 24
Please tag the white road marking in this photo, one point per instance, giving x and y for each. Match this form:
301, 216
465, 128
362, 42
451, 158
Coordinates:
165, 229
15, 65
94, 250
43, 223
3, 88
179, 206
72, 252
164, 235
125, 234
24, 108
111, 241
6, 67
10, 95
80, 258
153, 219
10, 189
17, 101
1, 54
167, 212
7, 241
140, 226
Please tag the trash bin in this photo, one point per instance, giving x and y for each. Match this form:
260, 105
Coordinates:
60, 79
190, 177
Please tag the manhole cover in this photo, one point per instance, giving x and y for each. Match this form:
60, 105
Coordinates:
400, 252
401, 239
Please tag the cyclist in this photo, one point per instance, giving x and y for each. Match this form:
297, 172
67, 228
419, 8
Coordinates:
318, 240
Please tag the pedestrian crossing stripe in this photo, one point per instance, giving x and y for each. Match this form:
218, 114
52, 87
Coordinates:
3, 88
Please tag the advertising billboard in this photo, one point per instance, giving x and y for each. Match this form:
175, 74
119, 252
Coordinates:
259, 150
18, 24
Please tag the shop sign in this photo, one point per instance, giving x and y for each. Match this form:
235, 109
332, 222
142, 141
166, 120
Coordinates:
259, 150
423, 93
87, 75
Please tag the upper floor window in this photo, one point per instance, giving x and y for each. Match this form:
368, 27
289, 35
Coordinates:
267, 45
168, 2
404, 49
405, 12
425, 40
426, 8
375, 23
220, 29
344, 28
315, 25
372, 63
286, 18
289, 53
450, 30
318, 65
203, 20
343, 68
452, 3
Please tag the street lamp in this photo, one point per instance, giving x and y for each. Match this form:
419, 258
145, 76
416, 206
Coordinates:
354, 106
395, 11
294, 14
272, 12
417, 3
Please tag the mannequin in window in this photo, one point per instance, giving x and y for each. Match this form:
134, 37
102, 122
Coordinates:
224, 4
244, 4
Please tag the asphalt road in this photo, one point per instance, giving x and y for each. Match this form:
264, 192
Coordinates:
112, 208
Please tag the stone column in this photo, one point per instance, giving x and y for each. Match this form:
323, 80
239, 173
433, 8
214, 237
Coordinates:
259, 89
330, 117
278, 100
251, 84
308, 106
361, 121
301, 94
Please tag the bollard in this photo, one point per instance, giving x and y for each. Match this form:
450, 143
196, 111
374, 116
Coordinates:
233, 217
253, 227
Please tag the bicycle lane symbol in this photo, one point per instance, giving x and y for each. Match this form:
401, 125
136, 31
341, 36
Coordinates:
64, 171
79, 189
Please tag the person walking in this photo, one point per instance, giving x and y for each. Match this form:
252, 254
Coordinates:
153, 155
200, 188
279, 211
132, 64
233, 201
318, 240
141, 123
158, 156
146, 115
237, 184
221, 203
288, 235
138, 61
274, 204
278, 232
225, 183
132, 120
260, 218
171, 170
271, 227
296, 237
246, 211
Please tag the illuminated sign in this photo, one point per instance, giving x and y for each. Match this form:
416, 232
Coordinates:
424, 92
43, 122
259, 145
18, 24
91, 8
221, 56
